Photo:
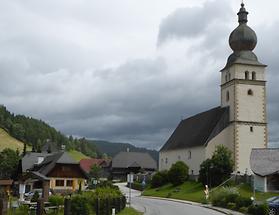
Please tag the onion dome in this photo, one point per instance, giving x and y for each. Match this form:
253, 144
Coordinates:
243, 37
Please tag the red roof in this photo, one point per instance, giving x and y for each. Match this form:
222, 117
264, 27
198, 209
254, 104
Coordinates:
86, 164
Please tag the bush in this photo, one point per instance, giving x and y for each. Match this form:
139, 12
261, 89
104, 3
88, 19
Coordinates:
56, 200
178, 173
231, 205
224, 196
80, 205
261, 209
159, 179
243, 202
243, 210
35, 197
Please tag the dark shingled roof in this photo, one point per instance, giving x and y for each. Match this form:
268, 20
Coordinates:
198, 130
265, 162
133, 159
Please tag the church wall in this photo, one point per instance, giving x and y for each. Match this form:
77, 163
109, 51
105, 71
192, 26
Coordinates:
245, 141
250, 108
193, 157
224, 138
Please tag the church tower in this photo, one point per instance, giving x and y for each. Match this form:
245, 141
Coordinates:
243, 90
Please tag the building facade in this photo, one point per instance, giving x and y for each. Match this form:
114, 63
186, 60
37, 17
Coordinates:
240, 123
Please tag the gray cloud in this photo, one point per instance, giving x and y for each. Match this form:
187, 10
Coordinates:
90, 75
193, 22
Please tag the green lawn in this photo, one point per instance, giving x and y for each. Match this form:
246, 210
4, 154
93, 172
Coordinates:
130, 211
7, 141
77, 155
193, 191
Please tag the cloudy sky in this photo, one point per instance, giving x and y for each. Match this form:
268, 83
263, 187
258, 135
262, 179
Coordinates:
126, 70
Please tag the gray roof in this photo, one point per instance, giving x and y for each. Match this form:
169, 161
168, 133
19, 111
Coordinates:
198, 130
265, 162
133, 159
50, 160
30, 158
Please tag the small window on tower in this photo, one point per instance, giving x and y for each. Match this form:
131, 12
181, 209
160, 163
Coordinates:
246, 75
189, 154
228, 96
251, 129
226, 78
229, 76
166, 160
254, 76
250, 92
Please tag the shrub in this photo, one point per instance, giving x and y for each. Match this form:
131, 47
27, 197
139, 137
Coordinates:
80, 205
231, 205
261, 209
224, 196
243, 210
56, 200
35, 197
243, 202
178, 173
157, 180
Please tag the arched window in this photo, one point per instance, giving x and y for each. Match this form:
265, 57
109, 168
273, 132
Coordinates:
250, 92
229, 76
227, 96
226, 78
189, 154
246, 75
166, 160
254, 76
179, 157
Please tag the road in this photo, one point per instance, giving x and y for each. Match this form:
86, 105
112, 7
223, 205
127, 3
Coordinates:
164, 207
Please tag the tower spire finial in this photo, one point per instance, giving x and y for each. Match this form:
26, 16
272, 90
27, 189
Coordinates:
242, 14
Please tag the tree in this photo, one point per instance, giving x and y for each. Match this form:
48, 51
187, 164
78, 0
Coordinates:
9, 163
95, 171
178, 173
217, 169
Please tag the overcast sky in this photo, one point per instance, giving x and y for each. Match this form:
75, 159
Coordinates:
126, 70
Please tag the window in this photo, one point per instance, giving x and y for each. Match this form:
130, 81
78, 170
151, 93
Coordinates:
229, 76
189, 154
251, 129
192, 171
228, 96
59, 183
69, 183
250, 92
246, 75
253, 75
226, 78
179, 157
166, 160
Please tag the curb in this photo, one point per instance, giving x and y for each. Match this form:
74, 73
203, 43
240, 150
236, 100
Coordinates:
221, 210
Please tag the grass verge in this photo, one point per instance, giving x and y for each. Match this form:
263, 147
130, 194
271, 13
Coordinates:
130, 211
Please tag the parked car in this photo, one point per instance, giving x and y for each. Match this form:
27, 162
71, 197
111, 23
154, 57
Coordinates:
30, 194
273, 204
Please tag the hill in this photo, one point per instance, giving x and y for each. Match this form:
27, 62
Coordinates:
111, 149
76, 155
6, 141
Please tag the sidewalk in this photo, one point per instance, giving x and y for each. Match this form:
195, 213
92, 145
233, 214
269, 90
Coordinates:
221, 210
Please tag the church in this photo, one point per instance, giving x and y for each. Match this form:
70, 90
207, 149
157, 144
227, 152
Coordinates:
239, 123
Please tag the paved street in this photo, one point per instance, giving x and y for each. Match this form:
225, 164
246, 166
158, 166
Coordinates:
164, 207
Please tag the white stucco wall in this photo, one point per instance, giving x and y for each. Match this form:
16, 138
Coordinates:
246, 140
197, 157
250, 108
223, 138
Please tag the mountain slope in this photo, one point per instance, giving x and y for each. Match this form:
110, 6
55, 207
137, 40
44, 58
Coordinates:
6, 141
111, 149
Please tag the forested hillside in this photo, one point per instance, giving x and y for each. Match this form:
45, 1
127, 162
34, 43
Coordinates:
36, 133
